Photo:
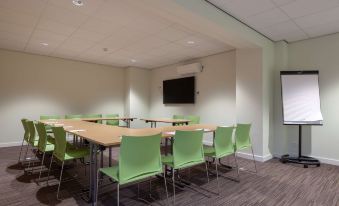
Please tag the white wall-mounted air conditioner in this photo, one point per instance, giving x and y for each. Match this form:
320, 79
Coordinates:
189, 69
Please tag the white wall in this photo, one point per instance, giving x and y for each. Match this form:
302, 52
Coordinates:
318, 54
318, 141
138, 95
215, 102
31, 85
249, 95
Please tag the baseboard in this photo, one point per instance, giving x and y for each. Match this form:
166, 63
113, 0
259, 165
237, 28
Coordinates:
324, 160
10, 144
256, 157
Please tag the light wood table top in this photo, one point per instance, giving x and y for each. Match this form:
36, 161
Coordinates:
165, 120
107, 135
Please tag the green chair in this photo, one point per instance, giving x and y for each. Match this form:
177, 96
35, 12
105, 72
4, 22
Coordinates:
243, 139
46, 143
139, 159
63, 152
25, 137
193, 119
93, 116
74, 116
33, 139
179, 116
47, 117
112, 122
222, 147
187, 152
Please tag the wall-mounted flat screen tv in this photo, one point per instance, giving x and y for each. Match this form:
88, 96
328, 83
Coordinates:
179, 91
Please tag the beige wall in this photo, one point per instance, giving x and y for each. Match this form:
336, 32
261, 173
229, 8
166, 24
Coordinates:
321, 142
249, 95
31, 85
321, 54
215, 102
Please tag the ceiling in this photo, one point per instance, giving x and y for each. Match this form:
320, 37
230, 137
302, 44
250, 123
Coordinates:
289, 20
108, 32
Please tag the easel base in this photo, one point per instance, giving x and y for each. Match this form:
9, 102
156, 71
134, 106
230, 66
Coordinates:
303, 160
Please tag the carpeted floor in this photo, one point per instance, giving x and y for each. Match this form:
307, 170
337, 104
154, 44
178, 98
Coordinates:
275, 184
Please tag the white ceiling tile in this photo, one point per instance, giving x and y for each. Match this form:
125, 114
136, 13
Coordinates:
21, 37
267, 18
244, 8
89, 6
318, 18
323, 29
12, 44
14, 17
100, 26
16, 29
295, 36
282, 2
43, 36
76, 45
306, 7
278, 31
172, 34
55, 27
37, 48
88, 35
64, 16
147, 44
31, 7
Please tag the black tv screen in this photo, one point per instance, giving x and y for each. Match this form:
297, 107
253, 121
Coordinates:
179, 91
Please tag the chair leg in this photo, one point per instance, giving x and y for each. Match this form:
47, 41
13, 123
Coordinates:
217, 172
255, 165
173, 184
166, 187
62, 169
96, 195
26, 151
22, 144
42, 163
236, 163
118, 195
208, 178
49, 169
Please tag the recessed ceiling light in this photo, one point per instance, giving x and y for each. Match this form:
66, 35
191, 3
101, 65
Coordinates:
44, 44
133, 60
190, 42
78, 2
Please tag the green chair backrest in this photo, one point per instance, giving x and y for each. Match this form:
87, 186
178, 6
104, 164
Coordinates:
112, 122
74, 116
44, 117
41, 129
187, 148
178, 116
139, 156
32, 132
26, 134
194, 119
93, 116
60, 142
223, 142
242, 136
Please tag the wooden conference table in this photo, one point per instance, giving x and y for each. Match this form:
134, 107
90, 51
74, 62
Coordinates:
108, 136
174, 122
125, 119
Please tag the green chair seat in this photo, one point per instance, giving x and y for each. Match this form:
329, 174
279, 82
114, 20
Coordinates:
76, 153
113, 172
169, 161
209, 151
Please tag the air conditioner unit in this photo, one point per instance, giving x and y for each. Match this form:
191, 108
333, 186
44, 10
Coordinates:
189, 69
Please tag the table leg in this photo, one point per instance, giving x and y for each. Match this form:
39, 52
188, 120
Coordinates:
93, 173
110, 156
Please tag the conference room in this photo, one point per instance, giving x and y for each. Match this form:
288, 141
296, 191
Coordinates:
185, 102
